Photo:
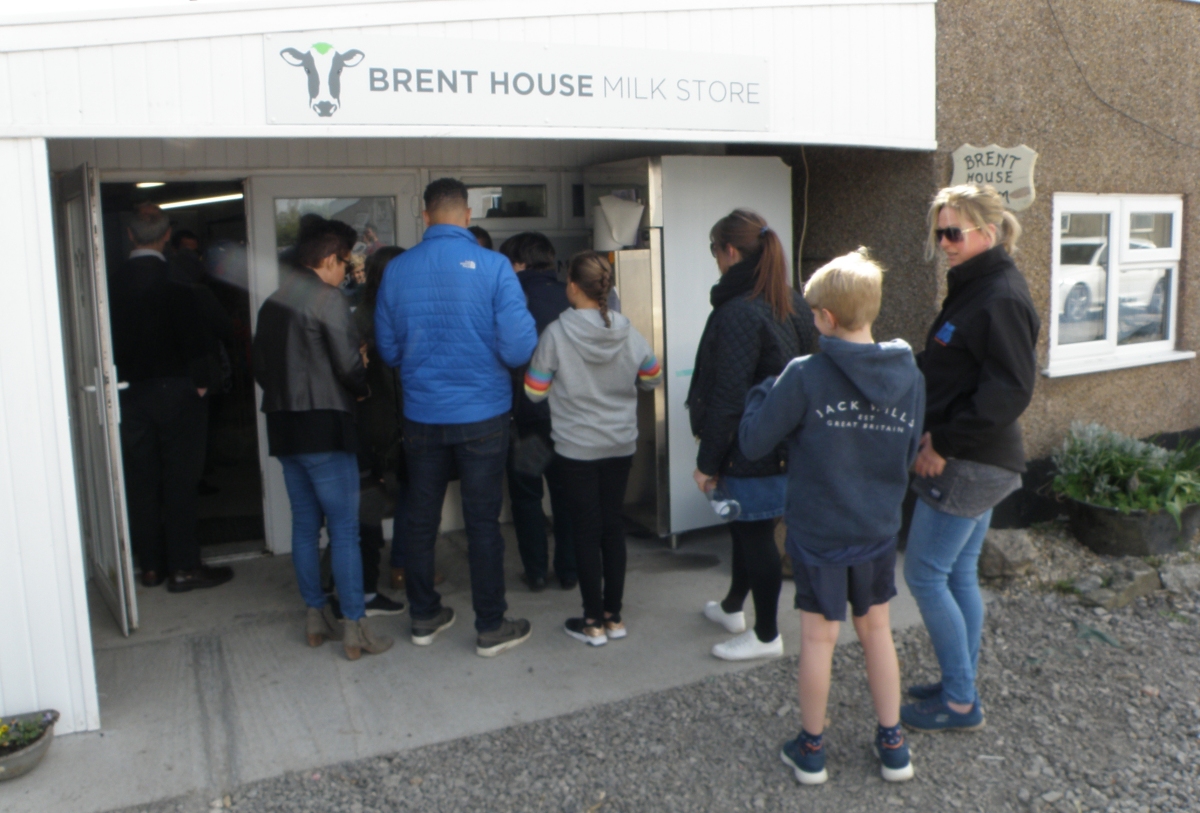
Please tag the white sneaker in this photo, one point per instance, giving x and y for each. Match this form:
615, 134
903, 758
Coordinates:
747, 647
733, 622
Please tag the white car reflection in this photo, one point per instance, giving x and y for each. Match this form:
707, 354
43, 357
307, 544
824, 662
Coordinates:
1083, 272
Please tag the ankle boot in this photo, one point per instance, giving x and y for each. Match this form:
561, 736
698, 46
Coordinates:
359, 638
322, 625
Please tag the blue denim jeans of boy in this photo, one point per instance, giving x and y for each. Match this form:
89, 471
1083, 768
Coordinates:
480, 450
323, 486
941, 566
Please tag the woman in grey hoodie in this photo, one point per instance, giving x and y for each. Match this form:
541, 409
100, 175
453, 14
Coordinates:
590, 364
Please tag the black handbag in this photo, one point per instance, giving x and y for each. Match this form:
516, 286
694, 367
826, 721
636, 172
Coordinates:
531, 454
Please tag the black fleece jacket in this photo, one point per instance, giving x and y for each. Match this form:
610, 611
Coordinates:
742, 344
979, 362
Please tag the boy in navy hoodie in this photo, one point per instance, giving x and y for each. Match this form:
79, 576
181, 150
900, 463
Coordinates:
852, 416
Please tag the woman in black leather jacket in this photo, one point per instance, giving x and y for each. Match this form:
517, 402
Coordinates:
309, 361
757, 326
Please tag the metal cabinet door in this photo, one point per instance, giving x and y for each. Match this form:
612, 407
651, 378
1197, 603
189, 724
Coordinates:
94, 408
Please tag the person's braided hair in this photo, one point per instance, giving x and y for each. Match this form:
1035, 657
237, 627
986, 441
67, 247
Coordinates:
594, 277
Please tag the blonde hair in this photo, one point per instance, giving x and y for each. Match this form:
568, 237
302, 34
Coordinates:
850, 287
982, 206
594, 276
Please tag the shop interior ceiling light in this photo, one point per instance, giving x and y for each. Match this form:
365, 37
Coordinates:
150, 184
179, 204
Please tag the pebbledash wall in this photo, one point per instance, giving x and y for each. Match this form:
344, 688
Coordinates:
184, 89
1120, 116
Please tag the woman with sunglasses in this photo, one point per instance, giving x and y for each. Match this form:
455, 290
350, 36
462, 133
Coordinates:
979, 367
758, 324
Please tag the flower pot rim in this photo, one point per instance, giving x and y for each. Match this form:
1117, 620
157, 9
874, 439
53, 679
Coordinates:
1130, 513
36, 715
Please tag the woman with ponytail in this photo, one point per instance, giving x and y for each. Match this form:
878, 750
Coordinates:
590, 364
980, 367
758, 324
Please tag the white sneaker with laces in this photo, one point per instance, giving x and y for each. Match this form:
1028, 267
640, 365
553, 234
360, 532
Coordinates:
747, 647
732, 622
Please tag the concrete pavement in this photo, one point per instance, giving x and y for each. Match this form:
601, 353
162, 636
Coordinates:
218, 687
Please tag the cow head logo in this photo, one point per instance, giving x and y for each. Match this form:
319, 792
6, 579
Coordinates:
323, 65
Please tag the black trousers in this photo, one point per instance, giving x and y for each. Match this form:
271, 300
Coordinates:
756, 570
164, 431
595, 492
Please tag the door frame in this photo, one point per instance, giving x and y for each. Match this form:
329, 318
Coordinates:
261, 191
98, 399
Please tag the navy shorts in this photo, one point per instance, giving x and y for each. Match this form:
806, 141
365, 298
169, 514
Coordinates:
826, 589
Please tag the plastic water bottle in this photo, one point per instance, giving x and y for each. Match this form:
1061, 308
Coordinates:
723, 505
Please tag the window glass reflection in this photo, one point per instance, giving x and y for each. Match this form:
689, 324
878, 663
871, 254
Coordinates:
374, 219
507, 200
1149, 230
1083, 277
1144, 304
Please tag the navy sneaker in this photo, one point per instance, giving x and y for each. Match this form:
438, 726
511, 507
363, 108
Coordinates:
925, 691
892, 749
805, 760
934, 715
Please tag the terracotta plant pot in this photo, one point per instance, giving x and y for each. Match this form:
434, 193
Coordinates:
1139, 533
18, 763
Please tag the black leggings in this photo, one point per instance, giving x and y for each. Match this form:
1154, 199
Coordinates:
756, 570
595, 491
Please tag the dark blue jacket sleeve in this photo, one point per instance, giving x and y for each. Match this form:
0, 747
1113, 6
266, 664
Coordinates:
516, 332
774, 409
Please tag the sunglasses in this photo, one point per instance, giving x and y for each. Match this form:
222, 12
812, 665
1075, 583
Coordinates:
953, 233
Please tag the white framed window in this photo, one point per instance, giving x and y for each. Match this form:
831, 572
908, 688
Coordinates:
1114, 278
511, 201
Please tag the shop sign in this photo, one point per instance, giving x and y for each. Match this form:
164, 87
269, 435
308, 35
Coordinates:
356, 77
1009, 169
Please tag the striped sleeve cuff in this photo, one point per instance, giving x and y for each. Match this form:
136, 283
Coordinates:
651, 371
537, 383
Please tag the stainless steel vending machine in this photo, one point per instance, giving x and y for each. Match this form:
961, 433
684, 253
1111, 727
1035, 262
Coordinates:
663, 281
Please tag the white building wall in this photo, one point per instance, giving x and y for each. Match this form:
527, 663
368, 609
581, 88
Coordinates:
45, 640
841, 72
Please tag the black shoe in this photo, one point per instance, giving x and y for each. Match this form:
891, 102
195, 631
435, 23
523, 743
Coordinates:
568, 582
424, 630
382, 605
536, 584
510, 633
153, 578
182, 581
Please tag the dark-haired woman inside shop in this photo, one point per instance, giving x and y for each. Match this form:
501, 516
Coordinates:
758, 324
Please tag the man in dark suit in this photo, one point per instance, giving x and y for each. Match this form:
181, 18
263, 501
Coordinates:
160, 345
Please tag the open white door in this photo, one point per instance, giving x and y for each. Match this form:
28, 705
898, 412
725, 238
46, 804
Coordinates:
92, 378
388, 203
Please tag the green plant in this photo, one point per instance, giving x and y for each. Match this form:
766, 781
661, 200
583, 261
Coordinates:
1066, 587
16, 734
1105, 468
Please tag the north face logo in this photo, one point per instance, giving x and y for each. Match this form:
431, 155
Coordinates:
323, 65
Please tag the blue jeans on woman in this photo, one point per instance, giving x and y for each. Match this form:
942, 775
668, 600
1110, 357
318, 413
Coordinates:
941, 566
323, 486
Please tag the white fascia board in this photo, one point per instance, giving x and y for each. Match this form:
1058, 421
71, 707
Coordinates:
418, 131
44, 31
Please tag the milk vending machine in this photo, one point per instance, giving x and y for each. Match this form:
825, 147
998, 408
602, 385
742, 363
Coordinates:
664, 271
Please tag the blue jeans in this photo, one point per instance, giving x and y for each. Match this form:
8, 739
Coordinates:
941, 566
399, 553
480, 450
323, 486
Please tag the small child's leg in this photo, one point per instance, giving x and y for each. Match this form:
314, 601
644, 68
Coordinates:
818, 637
883, 668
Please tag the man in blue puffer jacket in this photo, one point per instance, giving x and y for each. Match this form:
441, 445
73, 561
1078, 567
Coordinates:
451, 316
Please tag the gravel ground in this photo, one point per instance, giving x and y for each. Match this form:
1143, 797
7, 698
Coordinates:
1086, 711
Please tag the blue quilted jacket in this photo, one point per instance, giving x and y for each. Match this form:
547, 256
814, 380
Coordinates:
452, 317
